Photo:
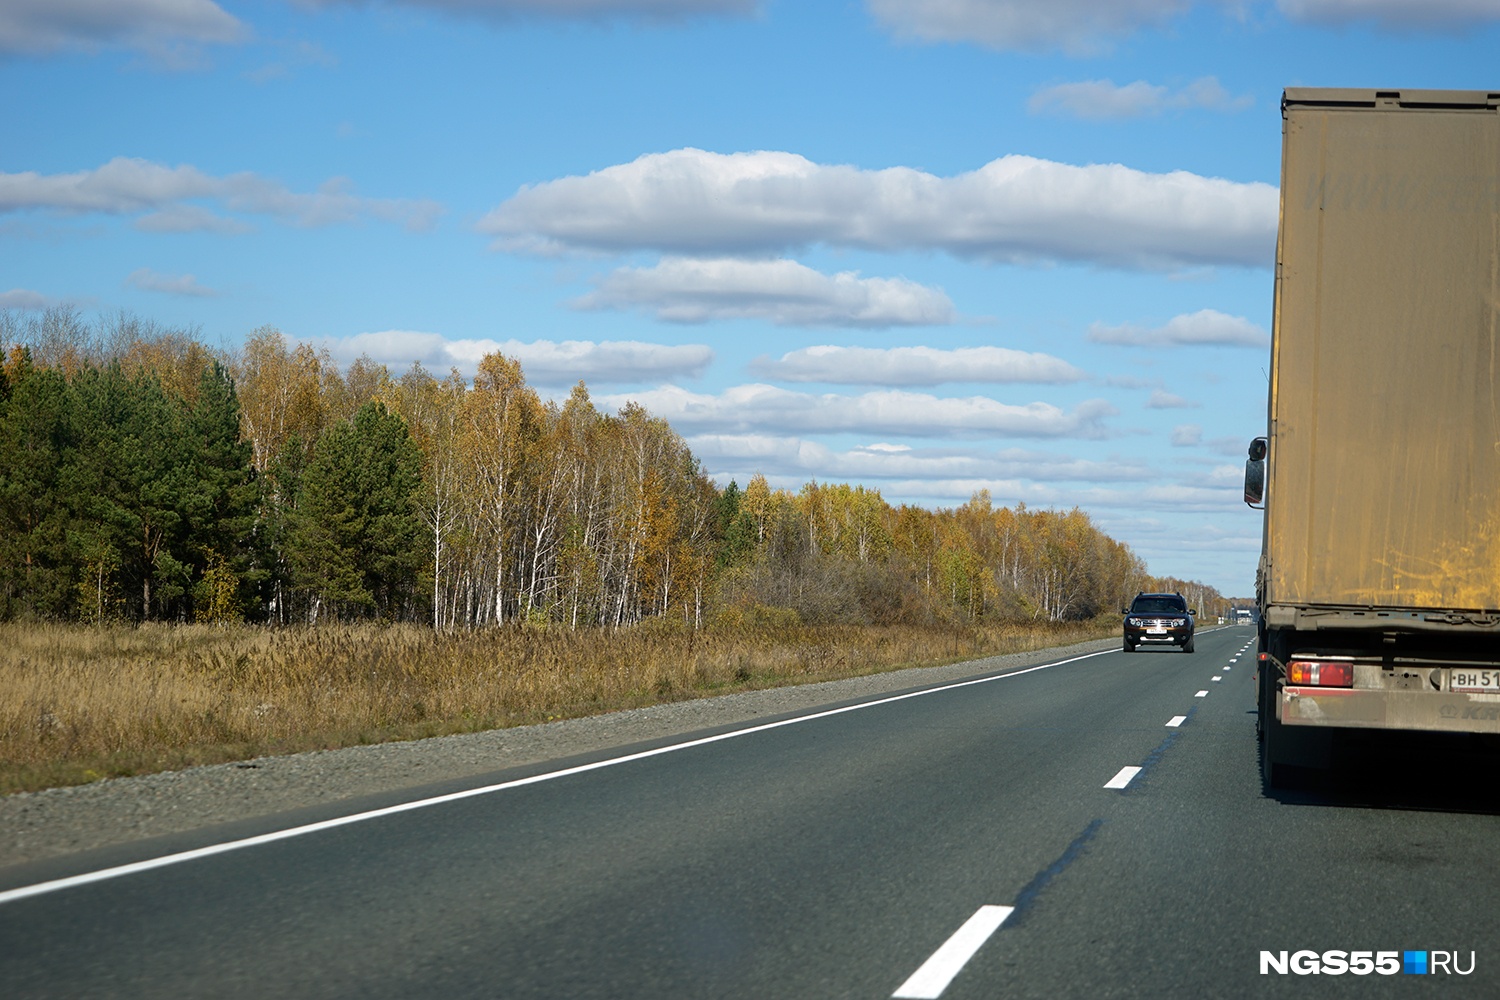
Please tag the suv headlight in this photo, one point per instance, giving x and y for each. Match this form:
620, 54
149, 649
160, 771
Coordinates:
1134, 621
1179, 622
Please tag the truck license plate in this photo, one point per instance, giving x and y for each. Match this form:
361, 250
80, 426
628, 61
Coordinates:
1474, 680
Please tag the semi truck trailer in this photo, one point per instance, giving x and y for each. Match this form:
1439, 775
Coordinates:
1378, 587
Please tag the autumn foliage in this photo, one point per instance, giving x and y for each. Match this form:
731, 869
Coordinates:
147, 477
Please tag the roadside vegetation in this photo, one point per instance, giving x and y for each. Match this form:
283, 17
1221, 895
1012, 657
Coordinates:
79, 703
207, 554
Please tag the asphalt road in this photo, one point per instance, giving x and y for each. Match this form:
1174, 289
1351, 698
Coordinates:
833, 857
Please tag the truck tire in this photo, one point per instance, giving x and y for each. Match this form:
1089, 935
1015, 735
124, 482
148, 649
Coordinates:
1289, 755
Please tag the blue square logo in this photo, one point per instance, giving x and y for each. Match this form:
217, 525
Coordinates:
1414, 963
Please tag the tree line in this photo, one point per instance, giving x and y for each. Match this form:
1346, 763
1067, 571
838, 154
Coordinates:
147, 476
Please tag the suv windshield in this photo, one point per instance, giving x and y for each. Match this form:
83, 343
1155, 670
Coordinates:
1159, 606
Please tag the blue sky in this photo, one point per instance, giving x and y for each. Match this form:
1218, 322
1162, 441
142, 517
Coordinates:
930, 246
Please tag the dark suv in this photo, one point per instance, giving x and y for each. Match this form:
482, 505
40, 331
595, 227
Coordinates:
1159, 618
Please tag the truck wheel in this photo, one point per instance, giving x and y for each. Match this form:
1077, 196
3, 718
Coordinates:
1187, 647
1289, 755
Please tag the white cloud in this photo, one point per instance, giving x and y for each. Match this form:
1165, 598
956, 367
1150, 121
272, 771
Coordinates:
684, 290
764, 408
915, 366
1230, 446
649, 9
169, 196
25, 299
188, 219
1394, 15
1204, 327
1132, 382
1013, 209
742, 455
1089, 27
294, 56
153, 26
1163, 400
1104, 100
1079, 27
1187, 435
545, 362
170, 284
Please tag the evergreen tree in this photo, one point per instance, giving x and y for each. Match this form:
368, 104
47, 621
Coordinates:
37, 571
734, 528
356, 541
222, 514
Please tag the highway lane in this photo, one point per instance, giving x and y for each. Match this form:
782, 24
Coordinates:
827, 858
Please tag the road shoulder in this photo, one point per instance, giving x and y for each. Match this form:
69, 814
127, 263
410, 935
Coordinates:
40, 825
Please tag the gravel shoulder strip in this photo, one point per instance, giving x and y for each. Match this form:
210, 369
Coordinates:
61, 821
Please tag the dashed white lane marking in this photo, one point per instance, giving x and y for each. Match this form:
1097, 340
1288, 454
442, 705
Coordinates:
1126, 775
1217, 678
1176, 721
1226, 670
1202, 694
86, 878
929, 981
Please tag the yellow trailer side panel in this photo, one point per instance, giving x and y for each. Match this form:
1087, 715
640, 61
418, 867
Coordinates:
1385, 400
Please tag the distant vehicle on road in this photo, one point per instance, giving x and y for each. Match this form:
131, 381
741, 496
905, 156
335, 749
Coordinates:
1379, 579
1243, 616
1161, 619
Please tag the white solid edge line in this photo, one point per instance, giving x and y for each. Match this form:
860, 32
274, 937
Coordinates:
1123, 778
1176, 721
1201, 694
25, 891
929, 981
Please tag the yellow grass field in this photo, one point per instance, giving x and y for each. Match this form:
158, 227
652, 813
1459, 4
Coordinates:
80, 703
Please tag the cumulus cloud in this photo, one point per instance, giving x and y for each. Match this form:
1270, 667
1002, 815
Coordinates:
545, 362
295, 56
765, 408
915, 366
1187, 435
1204, 327
25, 299
1013, 209
1394, 15
1089, 27
169, 284
646, 9
1079, 27
685, 290
1163, 400
1104, 100
168, 198
153, 26
746, 454
1132, 382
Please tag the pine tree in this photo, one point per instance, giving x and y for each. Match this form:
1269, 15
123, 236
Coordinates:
356, 541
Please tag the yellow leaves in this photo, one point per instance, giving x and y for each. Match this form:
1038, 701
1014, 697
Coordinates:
282, 393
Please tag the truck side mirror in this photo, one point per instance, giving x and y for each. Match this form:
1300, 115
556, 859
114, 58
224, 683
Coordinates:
1255, 474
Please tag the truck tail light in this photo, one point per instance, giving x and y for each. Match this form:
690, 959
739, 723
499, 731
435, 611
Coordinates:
1320, 673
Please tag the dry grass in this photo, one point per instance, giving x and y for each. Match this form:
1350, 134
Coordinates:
78, 703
